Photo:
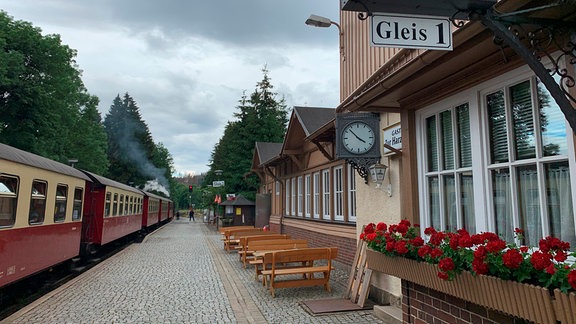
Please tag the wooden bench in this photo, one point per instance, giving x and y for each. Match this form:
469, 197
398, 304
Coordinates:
235, 228
229, 234
234, 239
242, 247
307, 269
260, 248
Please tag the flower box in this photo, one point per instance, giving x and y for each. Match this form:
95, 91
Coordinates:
517, 299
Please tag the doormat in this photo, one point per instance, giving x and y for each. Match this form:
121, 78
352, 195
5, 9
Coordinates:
327, 306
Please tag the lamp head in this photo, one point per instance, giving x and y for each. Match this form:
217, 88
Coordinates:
318, 21
377, 172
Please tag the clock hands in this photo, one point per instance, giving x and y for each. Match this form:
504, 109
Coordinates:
358, 137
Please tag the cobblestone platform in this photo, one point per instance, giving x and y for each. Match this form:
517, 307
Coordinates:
181, 274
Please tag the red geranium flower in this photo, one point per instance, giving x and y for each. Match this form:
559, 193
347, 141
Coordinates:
479, 266
443, 275
572, 279
446, 264
381, 227
512, 259
540, 260
424, 251
401, 247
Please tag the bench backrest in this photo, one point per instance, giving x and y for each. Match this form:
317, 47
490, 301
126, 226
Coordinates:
223, 230
239, 235
302, 255
245, 240
277, 244
229, 232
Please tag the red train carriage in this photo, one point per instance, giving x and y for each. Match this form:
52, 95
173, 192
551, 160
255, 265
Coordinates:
112, 210
152, 204
40, 213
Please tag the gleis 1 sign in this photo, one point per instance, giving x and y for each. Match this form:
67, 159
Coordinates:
421, 32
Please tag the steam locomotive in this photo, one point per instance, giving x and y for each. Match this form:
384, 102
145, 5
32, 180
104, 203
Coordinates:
51, 213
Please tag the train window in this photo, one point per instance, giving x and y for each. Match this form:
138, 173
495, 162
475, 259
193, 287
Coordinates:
126, 206
38, 202
115, 205
131, 205
61, 202
107, 206
121, 209
77, 207
8, 200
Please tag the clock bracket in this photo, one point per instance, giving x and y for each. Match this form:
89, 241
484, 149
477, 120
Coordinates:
361, 166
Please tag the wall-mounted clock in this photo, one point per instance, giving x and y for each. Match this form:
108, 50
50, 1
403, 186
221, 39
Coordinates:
358, 140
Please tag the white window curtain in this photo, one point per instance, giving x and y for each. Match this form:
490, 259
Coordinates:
338, 194
326, 194
351, 194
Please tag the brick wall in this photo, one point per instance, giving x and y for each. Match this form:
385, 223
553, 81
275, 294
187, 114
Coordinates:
421, 305
346, 247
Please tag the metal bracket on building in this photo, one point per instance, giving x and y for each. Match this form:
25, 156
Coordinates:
533, 39
361, 166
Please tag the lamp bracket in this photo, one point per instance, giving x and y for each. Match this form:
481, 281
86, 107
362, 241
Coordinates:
361, 165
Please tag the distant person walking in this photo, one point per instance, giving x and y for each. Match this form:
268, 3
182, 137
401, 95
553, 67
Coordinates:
178, 214
191, 215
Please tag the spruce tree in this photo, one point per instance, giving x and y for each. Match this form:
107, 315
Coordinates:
261, 117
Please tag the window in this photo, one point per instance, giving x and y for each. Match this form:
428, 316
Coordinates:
528, 166
300, 202
287, 211
8, 200
107, 205
316, 185
61, 202
326, 194
351, 194
115, 205
517, 176
307, 201
449, 169
38, 202
77, 206
277, 187
121, 207
338, 194
293, 200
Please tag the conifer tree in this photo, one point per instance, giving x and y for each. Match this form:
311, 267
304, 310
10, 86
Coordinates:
131, 149
261, 117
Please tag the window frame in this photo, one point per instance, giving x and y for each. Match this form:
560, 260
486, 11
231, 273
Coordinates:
479, 133
12, 201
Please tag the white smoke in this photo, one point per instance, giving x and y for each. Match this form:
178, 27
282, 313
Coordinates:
155, 185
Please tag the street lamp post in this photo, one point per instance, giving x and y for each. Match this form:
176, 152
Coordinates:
218, 173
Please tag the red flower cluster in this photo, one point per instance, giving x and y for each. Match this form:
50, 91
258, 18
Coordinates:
483, 253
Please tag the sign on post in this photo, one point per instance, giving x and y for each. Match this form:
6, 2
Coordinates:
420, 32
218, 183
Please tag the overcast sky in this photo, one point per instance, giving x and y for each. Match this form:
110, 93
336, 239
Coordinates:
187, 62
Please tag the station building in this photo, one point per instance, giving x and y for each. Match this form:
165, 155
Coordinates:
484, 146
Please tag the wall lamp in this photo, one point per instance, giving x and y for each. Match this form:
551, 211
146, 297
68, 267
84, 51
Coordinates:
318, 21
377, 173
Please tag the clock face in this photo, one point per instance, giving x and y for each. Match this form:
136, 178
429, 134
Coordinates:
358, 137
